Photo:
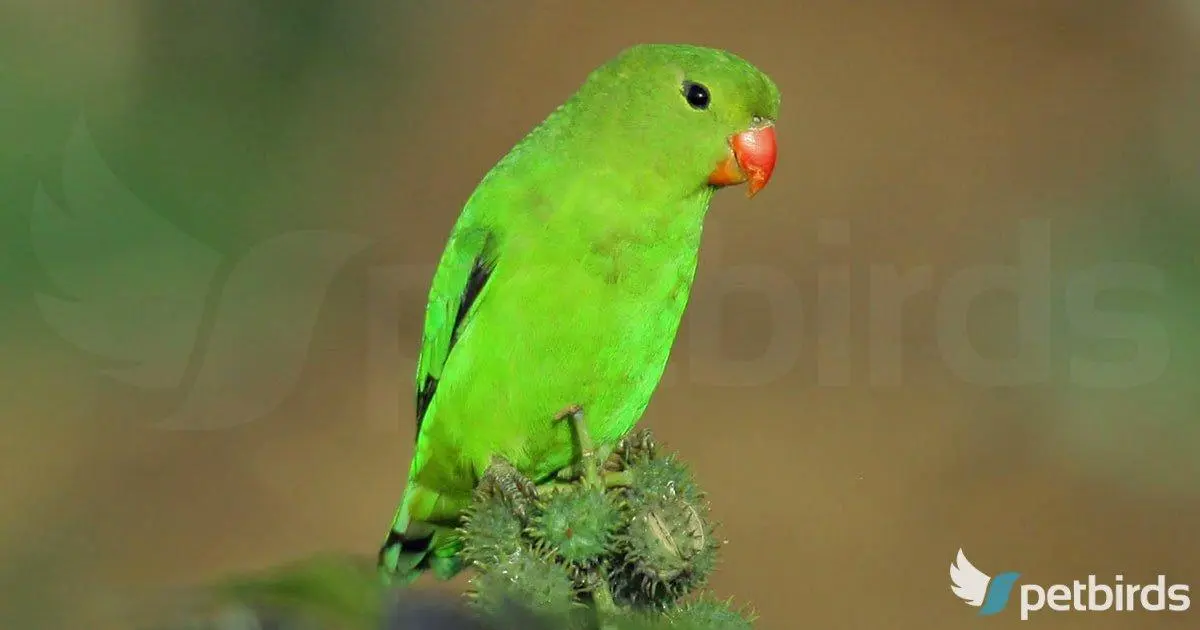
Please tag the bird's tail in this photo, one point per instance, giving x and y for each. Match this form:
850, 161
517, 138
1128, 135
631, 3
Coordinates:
411, 548
404, 554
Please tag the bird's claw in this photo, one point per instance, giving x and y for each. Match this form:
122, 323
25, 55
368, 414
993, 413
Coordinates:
633, 447
504, 480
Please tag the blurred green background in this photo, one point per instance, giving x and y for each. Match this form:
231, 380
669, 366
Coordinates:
173, 140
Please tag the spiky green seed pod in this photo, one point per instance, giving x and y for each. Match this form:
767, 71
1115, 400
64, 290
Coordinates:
491, 533
668, 551
533, 580
708, 613
647, 543
578, 524
664, 478
640, 619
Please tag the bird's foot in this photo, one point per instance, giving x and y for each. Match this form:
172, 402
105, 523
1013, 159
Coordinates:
565, 481
632, 448
578, 469
587, 467
562, 483
504, 480
617, 479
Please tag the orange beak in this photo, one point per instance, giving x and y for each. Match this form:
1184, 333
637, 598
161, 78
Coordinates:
751, 159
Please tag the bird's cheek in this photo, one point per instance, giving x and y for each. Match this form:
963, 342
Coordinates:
726, 172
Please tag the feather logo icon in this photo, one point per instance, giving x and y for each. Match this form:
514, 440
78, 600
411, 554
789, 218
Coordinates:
169, 312
977, 588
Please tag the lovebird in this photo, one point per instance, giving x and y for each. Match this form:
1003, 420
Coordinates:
566, 275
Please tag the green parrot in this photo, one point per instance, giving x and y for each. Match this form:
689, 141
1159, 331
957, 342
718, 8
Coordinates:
565, 278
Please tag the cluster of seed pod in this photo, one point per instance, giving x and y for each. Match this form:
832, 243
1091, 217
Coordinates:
644, 545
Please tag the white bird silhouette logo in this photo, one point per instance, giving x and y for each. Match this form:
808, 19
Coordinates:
967, 582
134, 289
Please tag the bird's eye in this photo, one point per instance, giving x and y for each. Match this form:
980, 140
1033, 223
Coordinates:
697, 95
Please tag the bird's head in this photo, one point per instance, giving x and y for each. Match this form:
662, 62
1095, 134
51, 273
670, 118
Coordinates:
697, 117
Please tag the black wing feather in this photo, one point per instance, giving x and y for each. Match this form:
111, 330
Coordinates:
481, 272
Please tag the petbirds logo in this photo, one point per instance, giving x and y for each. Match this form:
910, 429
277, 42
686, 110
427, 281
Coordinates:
991, 594
977, 588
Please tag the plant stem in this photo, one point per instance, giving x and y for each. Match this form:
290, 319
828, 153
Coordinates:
602, 600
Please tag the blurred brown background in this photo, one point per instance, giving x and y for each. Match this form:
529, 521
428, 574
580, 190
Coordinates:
931, 129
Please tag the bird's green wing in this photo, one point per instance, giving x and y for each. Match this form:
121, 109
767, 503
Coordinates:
461, 276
